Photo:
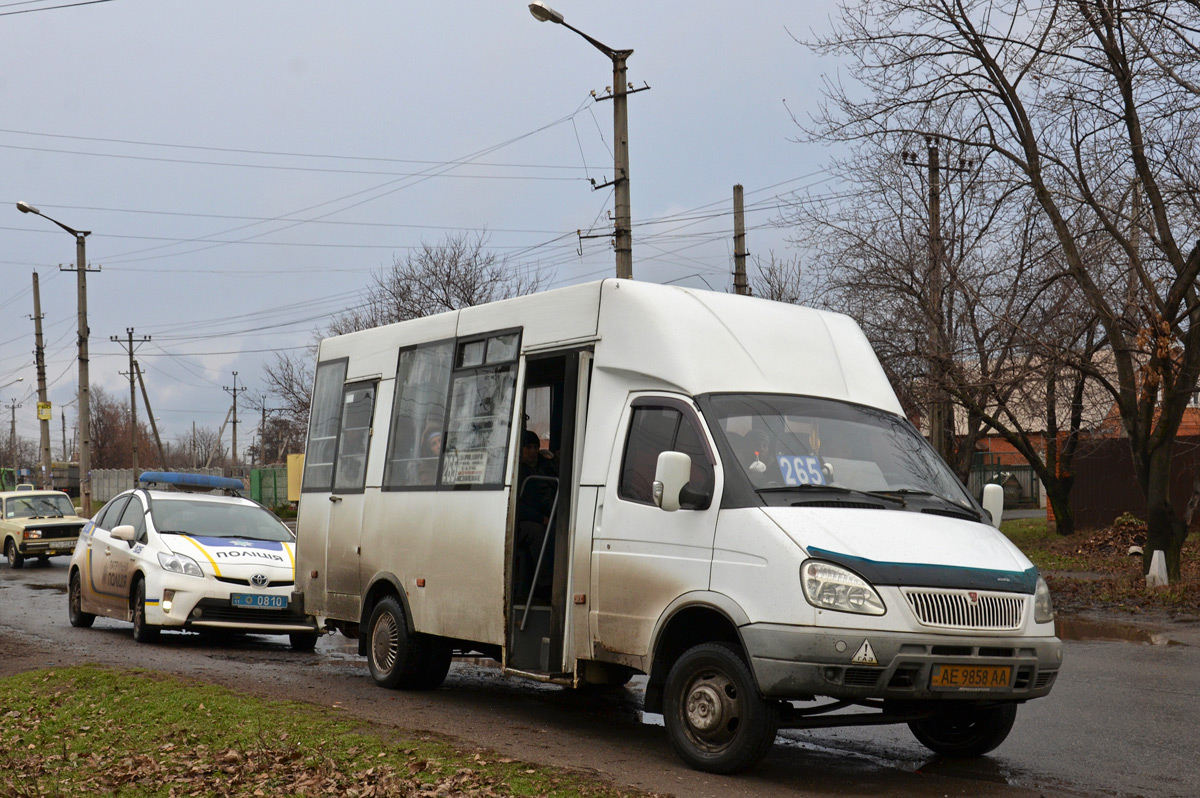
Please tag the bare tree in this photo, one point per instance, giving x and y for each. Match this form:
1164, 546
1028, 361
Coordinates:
781, 280
984, 327
1090, 106
457, 273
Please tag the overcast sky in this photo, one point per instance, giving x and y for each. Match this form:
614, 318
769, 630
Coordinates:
244, 167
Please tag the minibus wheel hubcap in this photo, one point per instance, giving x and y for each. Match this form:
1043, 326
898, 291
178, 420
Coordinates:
385, 642
711, 708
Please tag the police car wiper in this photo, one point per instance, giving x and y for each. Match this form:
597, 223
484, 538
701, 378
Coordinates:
925, 494
831, 489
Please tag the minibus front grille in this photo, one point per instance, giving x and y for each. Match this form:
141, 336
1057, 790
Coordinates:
966, 609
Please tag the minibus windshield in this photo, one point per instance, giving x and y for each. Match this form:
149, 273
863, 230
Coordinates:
794, 448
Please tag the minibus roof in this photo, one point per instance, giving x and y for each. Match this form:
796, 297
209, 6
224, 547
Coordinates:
660, 337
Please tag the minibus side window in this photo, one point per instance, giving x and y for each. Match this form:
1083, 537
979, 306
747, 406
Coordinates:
481, 404
482, 393
652, 431
357, 408
418, 416
324, 421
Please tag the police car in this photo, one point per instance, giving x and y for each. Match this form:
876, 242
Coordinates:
182, 559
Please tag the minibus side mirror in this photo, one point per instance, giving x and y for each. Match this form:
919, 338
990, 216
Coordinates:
671, 475
993, 502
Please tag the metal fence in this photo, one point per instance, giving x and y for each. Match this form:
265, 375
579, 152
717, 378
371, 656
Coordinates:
269, 486
1022, 488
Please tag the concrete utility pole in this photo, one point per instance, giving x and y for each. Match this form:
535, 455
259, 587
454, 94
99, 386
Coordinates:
12, 437
44, 411
85, 407
740, 285
234, 391
622, 229
133, 428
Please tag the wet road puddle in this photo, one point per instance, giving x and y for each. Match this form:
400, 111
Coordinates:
1072, 627
55, 588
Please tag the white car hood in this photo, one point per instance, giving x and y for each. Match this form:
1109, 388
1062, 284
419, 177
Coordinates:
917, 548
235, 556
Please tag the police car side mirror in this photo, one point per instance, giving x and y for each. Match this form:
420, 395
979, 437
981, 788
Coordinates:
671, 476
124, 532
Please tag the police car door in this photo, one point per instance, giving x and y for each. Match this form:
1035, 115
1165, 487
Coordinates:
97, 579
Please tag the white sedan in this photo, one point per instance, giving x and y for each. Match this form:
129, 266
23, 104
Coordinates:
164, 560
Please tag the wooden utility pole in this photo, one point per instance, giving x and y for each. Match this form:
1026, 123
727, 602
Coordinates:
939, 411
44, 412
740, 285
162, 460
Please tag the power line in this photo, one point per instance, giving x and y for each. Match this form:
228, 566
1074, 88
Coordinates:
49, 8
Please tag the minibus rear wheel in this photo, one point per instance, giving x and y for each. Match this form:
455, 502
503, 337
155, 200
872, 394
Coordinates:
398, 659
714, 715
965, 731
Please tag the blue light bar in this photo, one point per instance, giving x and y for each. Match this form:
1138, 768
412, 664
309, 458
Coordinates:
192, 481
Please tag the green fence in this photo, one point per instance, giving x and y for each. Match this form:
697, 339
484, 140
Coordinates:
269, 486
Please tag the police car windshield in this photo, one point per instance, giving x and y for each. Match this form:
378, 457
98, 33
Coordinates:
793, 444
208, 519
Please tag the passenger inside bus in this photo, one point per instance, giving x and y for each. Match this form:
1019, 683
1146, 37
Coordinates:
537, 481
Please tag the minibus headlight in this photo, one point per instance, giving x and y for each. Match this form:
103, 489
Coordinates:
179, 564
1043, 608
832, 587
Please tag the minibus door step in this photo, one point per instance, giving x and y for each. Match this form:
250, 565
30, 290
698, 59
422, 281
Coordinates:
530, 649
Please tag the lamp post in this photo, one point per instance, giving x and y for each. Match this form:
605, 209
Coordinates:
85, 411
623, 238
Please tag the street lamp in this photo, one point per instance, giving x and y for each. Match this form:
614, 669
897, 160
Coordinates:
85, 411
621, 225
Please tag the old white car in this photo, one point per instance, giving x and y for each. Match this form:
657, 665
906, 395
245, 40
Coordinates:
37, 523
186, 560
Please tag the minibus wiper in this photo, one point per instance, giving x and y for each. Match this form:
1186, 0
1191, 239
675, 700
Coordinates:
832, 489
943, 499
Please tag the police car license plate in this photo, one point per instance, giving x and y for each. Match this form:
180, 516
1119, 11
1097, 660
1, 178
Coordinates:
970, 677
256, 601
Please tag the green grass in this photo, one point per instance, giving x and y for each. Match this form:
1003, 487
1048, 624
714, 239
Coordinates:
88, 731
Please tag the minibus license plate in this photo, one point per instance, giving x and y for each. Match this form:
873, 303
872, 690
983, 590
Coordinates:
259, 602
970, 677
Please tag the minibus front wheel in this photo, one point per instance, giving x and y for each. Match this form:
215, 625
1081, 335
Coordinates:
714, 715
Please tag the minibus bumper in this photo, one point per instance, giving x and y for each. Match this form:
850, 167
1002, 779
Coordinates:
800, 663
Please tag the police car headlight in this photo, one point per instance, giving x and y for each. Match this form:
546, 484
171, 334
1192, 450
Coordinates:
179, 564
1043, 607
832, 587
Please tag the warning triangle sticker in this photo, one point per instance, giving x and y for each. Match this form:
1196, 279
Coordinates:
865, 655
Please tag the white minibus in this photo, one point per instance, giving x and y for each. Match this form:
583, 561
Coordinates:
719, 492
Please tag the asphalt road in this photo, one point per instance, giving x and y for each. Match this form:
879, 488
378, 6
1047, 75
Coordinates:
1120, 722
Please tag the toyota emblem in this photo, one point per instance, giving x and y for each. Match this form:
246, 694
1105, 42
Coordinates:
259, 580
